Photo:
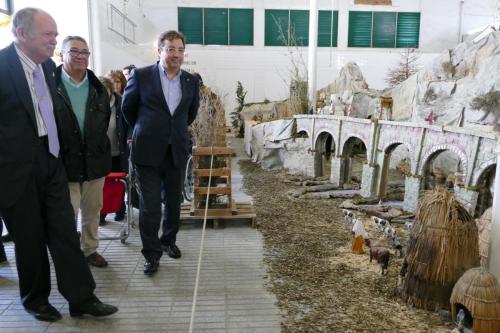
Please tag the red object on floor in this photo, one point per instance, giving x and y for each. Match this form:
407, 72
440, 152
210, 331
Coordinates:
112, 193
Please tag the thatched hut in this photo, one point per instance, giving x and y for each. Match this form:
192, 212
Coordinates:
443, 245
479, 293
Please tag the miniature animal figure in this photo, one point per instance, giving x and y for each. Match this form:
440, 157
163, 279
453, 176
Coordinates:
381, 223
396, 245
409, 225
359, 234
349, 215
463, 321
381, 254
389, 232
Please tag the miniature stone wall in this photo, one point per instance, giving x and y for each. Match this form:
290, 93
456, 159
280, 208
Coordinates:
298, 158
474, 148
412, 193
368, 180
338, 165
467, 198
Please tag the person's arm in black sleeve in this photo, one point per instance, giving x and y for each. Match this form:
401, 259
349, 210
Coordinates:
130, 101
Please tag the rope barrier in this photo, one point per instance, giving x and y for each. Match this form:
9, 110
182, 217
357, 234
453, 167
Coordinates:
200, 255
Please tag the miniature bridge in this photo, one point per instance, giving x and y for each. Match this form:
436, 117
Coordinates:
334, 137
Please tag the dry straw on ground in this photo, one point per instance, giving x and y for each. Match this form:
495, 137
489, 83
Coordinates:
320, 285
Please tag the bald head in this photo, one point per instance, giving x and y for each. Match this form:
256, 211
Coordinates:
35, 32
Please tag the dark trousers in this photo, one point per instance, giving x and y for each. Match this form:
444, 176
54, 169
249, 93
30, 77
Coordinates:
150, 180
44, 218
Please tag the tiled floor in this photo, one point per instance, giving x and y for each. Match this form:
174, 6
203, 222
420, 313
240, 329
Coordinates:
231, 295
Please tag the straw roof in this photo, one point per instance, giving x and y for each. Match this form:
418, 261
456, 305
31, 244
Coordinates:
209, 126
479, 292
443, 245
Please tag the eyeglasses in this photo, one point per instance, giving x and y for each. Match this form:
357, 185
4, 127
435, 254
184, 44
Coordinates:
173, 50
79, 53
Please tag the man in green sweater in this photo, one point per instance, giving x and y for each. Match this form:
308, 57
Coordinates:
85, 147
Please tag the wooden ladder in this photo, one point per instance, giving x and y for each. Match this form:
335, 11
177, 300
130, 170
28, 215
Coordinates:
220, 187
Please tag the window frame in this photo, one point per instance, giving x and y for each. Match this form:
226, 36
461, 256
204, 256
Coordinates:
204, 17
333, 24
355, 30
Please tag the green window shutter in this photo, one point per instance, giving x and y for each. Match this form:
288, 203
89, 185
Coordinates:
408, 30
276, 27
360, 29
216, 26
299, 27
325, 28
384, 29
191, 24
240, 26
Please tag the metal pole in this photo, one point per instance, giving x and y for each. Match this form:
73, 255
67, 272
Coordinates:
460, 19
311, 59
95, 44
494, 252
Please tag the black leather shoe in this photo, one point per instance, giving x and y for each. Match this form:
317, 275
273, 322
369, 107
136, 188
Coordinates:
93, 307
44, 312
151, 266
172, 250
119, 216
102, 220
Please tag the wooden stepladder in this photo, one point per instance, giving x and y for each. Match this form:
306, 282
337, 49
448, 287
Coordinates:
220, 201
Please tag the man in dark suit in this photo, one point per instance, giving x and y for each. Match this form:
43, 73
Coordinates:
160, 102
36, 208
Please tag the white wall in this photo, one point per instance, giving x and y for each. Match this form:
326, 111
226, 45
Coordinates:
75, 23
263, 71
111, 51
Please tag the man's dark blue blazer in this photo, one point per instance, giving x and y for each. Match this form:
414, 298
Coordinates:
34, 196
145, 108
18, 130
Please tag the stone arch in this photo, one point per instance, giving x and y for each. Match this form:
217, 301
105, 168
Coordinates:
391, 145
320, 133
483, 186
303, 129
482, 169
324, 149
302, 134
438, 148
351, 167
347, 138
384, 162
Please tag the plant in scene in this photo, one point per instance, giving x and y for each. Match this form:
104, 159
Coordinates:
406, 67
489, 102
296, 77
235, 115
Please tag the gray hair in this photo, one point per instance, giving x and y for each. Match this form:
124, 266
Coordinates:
67, 39
23, 18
